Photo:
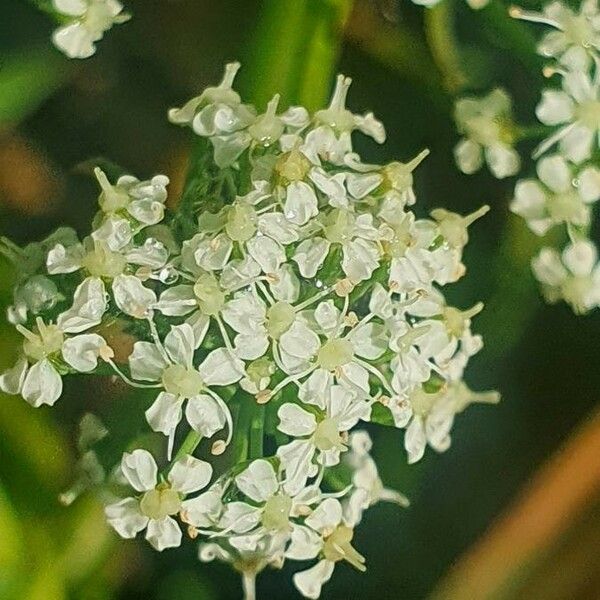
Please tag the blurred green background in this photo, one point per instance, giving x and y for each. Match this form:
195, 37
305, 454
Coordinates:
57, 117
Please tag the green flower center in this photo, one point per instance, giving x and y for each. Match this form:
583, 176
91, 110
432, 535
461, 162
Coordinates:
280, 317
276, 514
327, 436
209, 295
338, 547
589, 114
339, 226
335, 353
160, 502
102, 262
178, 380
241, 222
48, 340
293, 166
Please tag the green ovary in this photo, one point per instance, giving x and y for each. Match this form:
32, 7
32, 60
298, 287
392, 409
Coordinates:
327, 436
589, 114
338, 547
280, 317
241, 222
183, 382
49, 340
101, 262
160, 502
209, 295
276, 514
339, 226
293, 166
335, 353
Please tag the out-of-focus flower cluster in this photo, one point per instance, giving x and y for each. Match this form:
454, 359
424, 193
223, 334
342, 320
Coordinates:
83, 23
560, 197
292, 295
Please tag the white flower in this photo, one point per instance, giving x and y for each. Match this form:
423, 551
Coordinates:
86, 23
356, 235
368, 488
573, 276
272, 513
576, 109
489, 132
321, 433
49, 351
433, 417
575, 32
159, 501
327, 535
141, 201
474, 4
101, 261
558, 197
171, 364
340, 357
331, 139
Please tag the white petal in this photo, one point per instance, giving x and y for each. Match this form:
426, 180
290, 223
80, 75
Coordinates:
11, 381
468, 155
203, 510
577, 143
132, 297
146, 362
140, 470
64, 260
415, 440
82, 351
221, 367
310, 255
258, 481
580, 258
115, 233
316, 388
305, 543
205, 415
180, 343
310, 582
589, 184
503, 160
555, 173
266, 252
300, 341
177, 301
165, 413
75, 40
300, 203
190, 474
163, 534
285, 286
245, 313
555, 108
125, 517
327, 516
360, 259
295, 421
89, 306
42, 384
240, 517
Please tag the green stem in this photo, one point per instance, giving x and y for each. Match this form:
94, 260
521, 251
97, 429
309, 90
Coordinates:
189, 444
439, 29
257, 431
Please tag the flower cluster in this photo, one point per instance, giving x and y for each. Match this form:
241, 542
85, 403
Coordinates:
559, 199
292, 295
83, 23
